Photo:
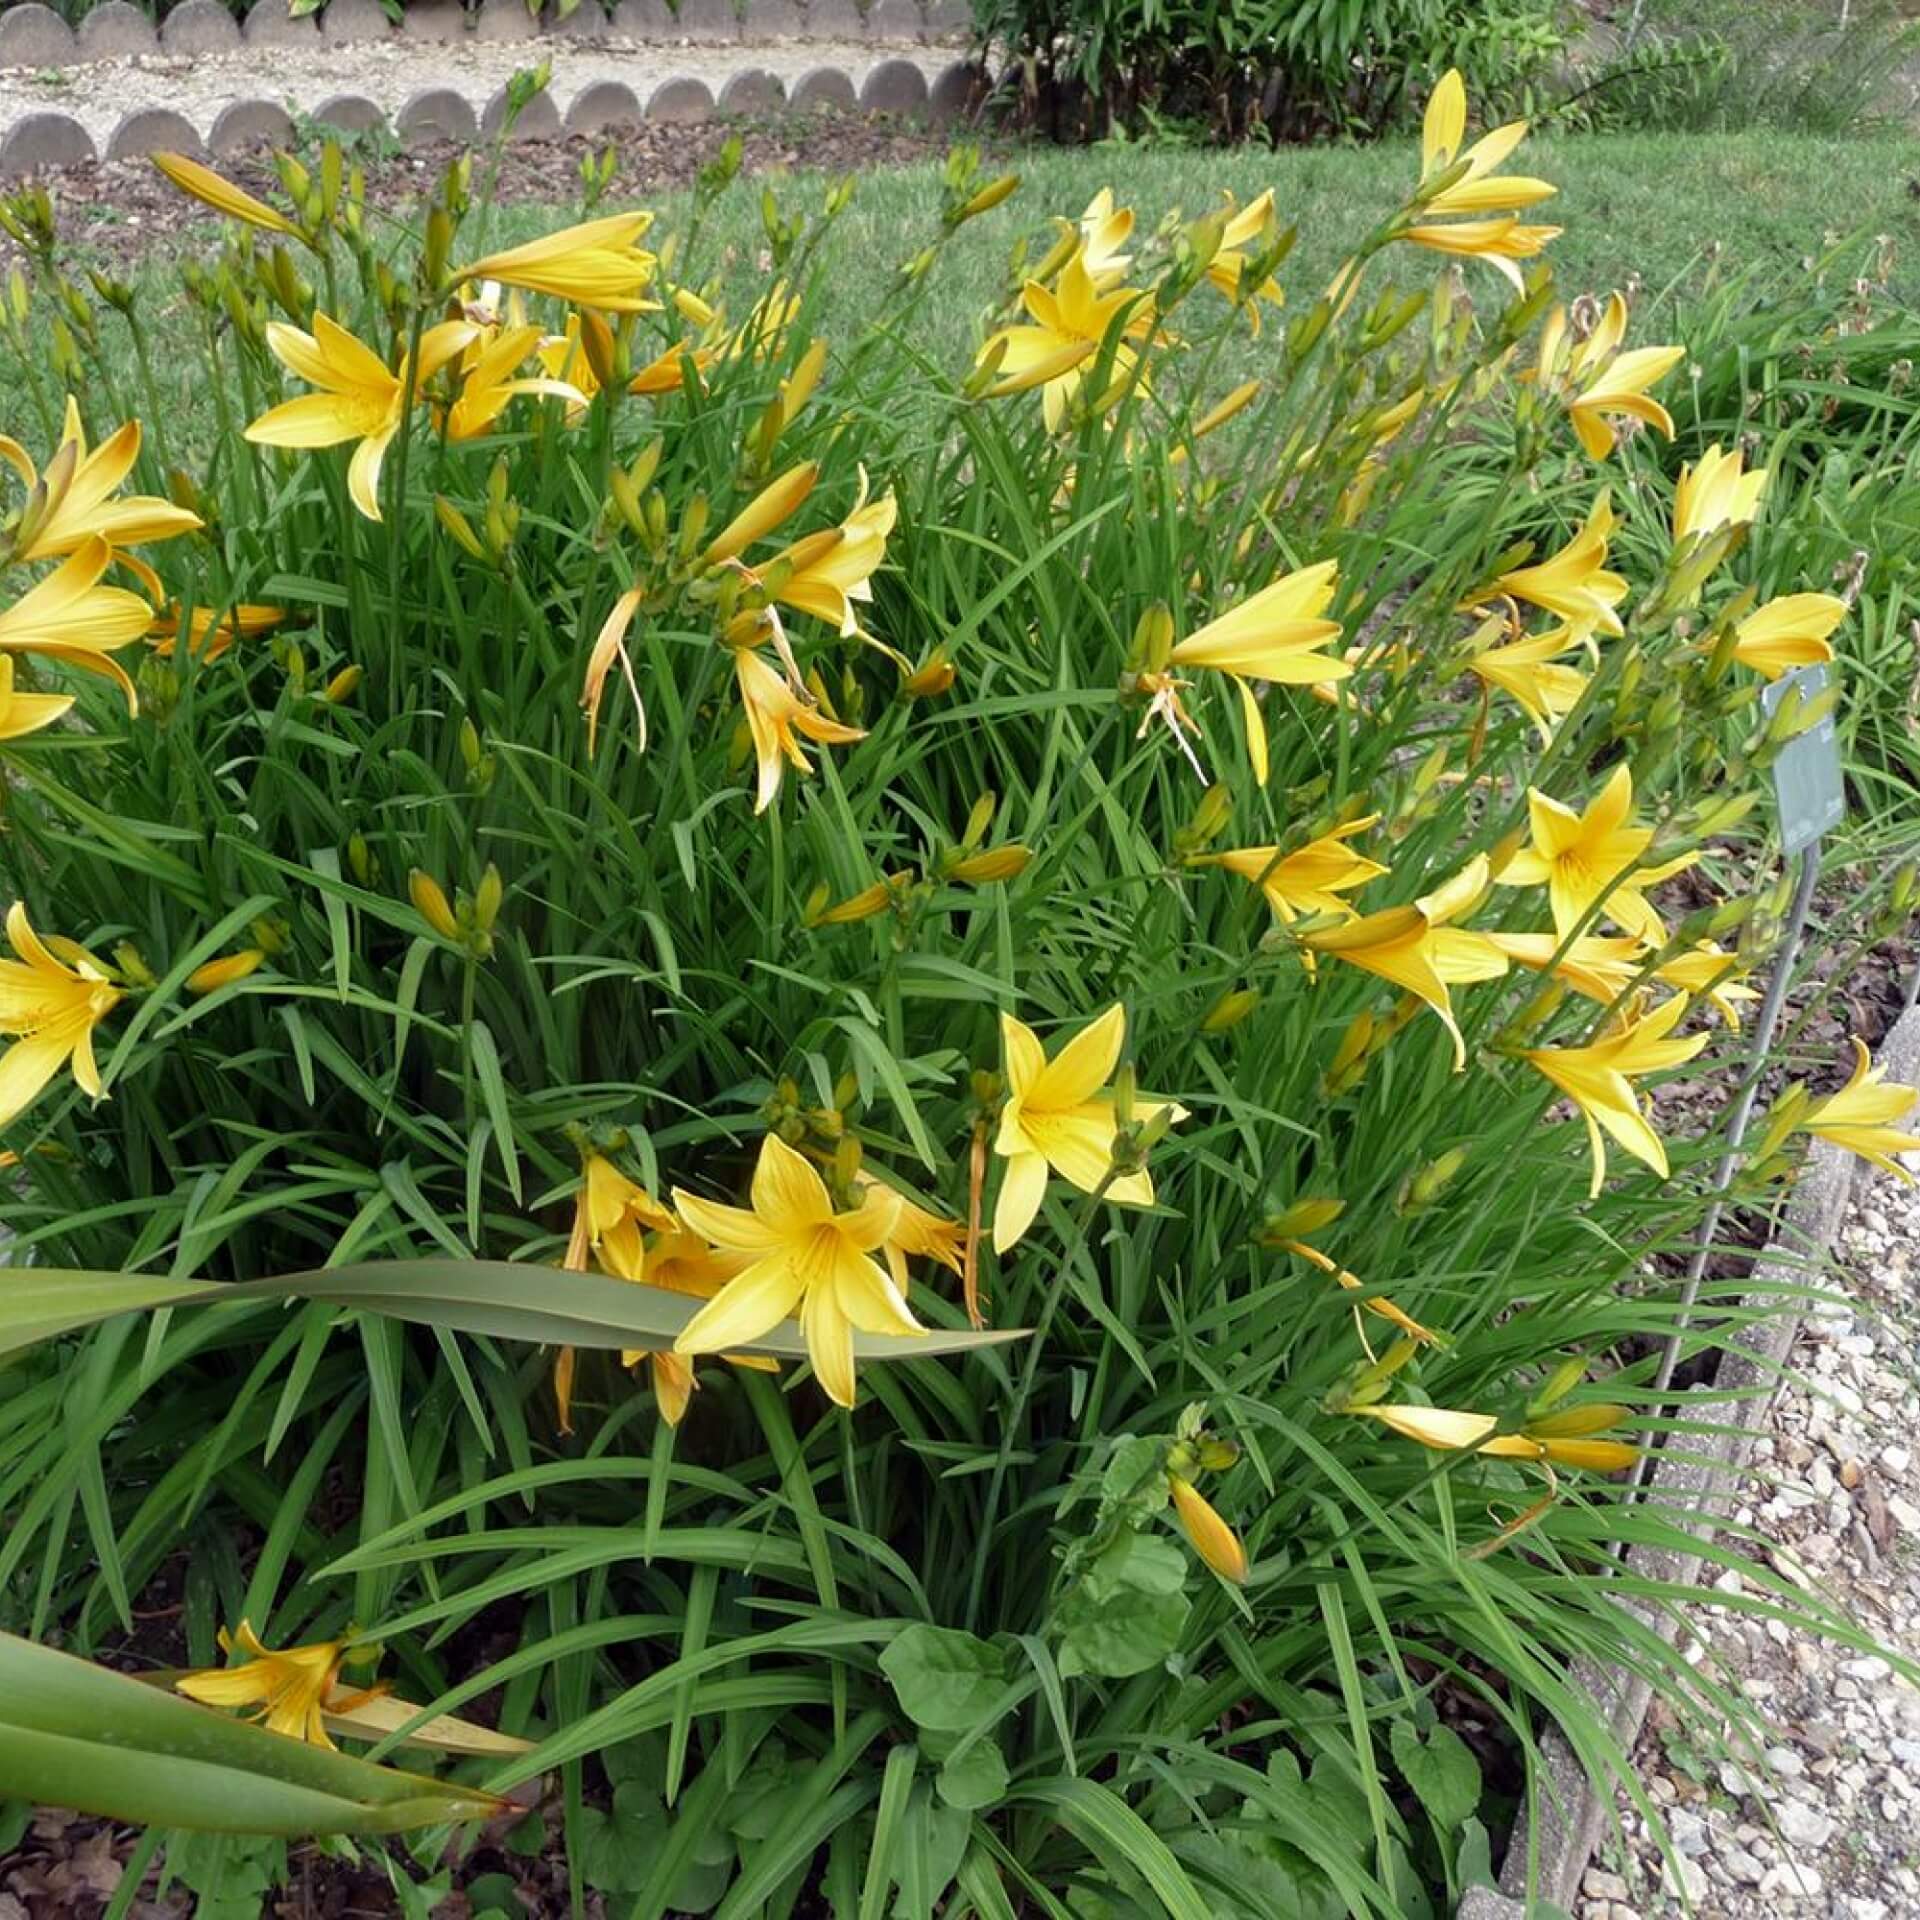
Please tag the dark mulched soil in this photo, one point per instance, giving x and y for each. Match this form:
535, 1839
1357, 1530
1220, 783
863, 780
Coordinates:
119, 211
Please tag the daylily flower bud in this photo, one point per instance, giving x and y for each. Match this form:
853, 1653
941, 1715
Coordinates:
1370, 1381
340, 689
223, 972
861, 906
458, 526
1557, 1385
1229, 1010
979, 819
988, 197
1421, 1189
1217, 1455
1301, 1220
996, 863
132, 966
360, 861
486, 899
1242, 397
1152, 640
775, 503
986, 370
1349, 1064
430, 902
596, 343
1210, 1537
931, 680
270, 936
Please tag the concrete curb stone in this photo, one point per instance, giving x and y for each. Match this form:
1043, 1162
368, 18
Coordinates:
604, 104
1573, 1814
680, 101
199, 26
35, 36
247, 123
823, 87
154, 130
114, 30
44, 140
437, 113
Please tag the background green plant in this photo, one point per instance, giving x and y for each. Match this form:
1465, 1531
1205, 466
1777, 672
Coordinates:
788, 1649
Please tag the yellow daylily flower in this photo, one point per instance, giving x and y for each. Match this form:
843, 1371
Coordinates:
1498, 242
489, 383
612, 1218
1716, 492
1418, 949
1104, 231
805, 1257
1596, 1078
827, 572
25, 713
211, 630
1059, 1114
80, 497
1271, 635
1708, 972
1574, 583
1597, 966
1788, 632
1598, 379
52, 996
595, 264
775, 714
1311, 879
1070, 324
222, 195
1862, 1116
1578, 857
71, 618
290, 1687
359, 397
1228, 267
918, 1234
1210, 1537
1530, 672
1480, 189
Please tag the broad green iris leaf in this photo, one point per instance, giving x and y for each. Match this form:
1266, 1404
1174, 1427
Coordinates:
81, 1736
544, 1305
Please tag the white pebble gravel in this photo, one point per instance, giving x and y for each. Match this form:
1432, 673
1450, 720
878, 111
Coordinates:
1825, 1821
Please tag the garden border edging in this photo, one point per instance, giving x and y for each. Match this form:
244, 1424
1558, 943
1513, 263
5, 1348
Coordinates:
1574, 1813
917, 65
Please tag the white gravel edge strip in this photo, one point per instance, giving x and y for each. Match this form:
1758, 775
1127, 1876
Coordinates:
1573, 1814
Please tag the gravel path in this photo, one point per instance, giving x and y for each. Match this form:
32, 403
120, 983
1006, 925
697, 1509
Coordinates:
390, 72
1831, 1826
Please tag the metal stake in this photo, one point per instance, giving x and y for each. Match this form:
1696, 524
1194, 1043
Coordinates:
1742, 1109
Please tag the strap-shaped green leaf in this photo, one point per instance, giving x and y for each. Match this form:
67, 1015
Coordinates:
81, 1736
545, 1305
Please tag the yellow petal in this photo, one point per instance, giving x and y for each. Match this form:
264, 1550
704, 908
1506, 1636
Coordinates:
754, 1300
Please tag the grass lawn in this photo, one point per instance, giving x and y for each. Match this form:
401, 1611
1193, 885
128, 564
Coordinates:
1659, 205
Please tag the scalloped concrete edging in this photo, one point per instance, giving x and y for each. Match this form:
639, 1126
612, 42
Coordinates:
612, 70
32, 34
1573, 1813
